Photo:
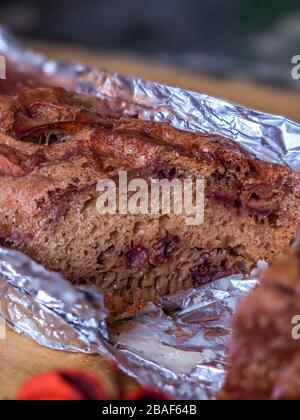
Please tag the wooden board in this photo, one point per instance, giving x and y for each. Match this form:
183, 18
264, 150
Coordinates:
20, 357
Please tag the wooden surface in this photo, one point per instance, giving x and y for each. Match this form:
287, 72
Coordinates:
20, 357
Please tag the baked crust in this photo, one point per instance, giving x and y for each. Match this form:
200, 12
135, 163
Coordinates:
56, 145
265, 359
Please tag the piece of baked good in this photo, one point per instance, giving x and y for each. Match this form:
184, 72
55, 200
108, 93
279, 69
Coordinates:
54, 148
265, 354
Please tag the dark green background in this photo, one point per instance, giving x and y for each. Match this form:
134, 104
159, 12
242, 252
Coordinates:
242, 38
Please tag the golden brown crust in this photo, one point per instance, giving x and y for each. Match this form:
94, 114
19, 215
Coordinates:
50, 117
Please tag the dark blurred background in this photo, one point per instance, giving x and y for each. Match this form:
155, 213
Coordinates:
246, 39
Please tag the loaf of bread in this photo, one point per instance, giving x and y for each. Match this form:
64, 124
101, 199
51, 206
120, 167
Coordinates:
265, 359
54, 148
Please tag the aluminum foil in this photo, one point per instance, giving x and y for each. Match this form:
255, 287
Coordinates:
181, 344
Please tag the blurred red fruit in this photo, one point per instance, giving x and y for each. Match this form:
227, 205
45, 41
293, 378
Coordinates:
62, 385
145, 394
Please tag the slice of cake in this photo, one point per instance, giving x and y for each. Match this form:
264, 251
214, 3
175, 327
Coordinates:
265, 355
54, 148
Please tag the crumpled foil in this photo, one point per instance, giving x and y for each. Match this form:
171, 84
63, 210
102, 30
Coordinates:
181, 344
